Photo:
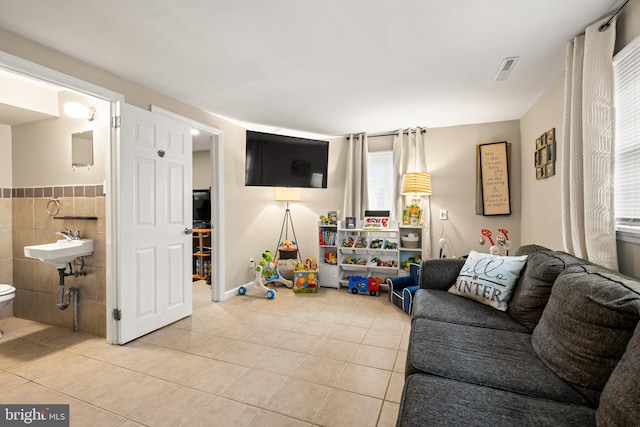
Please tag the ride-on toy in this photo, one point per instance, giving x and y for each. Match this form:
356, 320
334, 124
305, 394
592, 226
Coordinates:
257, 284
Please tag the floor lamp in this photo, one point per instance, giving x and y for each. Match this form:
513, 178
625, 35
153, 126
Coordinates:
288, 194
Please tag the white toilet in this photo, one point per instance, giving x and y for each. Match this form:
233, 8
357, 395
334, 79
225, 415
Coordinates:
7, 292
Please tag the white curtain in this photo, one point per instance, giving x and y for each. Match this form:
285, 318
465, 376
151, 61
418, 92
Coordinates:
588, 218
355, 190
410, 155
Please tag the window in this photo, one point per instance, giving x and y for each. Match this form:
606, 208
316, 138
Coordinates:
380, 180
627, 142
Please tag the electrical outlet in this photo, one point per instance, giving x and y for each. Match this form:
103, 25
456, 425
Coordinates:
252, 263
444, 214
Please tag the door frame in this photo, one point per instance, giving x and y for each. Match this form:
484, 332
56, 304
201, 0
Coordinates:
36, 71
217, 198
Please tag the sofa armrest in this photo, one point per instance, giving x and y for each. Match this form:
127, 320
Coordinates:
440, 273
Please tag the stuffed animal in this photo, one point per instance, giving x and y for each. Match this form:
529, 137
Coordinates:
288, 245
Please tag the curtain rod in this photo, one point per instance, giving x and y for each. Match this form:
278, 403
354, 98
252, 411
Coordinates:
406, 132
608, 23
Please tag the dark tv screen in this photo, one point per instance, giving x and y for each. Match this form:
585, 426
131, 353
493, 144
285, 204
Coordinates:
202, 205
285, 161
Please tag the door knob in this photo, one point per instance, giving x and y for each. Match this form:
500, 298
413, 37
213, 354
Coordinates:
188, 230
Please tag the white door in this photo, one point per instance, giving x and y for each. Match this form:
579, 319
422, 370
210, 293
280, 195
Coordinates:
154, 244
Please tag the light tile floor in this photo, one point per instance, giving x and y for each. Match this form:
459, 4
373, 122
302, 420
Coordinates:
326, 359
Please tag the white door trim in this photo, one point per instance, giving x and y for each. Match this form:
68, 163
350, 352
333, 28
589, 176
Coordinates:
217, 198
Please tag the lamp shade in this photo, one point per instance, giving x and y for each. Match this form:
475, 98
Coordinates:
416, 183
288, 194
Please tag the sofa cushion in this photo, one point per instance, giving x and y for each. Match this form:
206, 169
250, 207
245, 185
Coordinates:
620, 398
488, 279
500, 359
434, 401
443, 306
586, 326
533, 287
440, 273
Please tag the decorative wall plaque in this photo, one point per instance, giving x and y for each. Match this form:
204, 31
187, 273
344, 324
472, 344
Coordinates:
493, 162
545, 155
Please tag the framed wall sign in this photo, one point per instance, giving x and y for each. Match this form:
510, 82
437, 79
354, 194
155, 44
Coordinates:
493, 176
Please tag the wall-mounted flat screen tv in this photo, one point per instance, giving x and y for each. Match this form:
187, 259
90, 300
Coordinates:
285, 161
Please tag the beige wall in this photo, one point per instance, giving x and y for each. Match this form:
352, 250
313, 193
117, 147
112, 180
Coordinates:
201, 169
451, 161
42, 149
254, 219
5, 156
541, 214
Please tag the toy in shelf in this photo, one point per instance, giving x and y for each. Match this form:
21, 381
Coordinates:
363, 285
412, 215
390, 245
388, 263
361, 243
331, 258
415, 260
376, 244
331, 218
347, 242
354, 261
502, 239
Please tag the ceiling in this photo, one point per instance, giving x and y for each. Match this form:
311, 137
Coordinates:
330, 67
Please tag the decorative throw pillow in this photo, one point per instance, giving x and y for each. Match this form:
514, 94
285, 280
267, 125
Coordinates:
488, 279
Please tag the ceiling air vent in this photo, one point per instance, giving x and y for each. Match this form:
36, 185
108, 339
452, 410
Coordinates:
505, 68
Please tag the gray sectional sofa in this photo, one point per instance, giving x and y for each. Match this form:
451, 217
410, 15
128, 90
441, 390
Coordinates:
565, 353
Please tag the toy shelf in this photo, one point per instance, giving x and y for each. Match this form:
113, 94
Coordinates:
328, 255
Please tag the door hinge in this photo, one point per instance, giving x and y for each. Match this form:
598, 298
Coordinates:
117, 314
115, 122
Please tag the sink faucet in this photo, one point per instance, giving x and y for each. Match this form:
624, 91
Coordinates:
68, 234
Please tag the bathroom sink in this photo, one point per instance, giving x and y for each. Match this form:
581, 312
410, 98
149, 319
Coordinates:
60, 253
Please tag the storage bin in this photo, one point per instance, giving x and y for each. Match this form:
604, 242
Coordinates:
410, 241
305, 282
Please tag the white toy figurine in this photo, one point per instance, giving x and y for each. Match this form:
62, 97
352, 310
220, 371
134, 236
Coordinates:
493, 250
503, 240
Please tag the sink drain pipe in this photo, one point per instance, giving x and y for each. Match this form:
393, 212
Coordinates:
64, 298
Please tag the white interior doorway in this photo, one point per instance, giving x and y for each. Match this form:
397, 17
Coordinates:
215, 138
37, 72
